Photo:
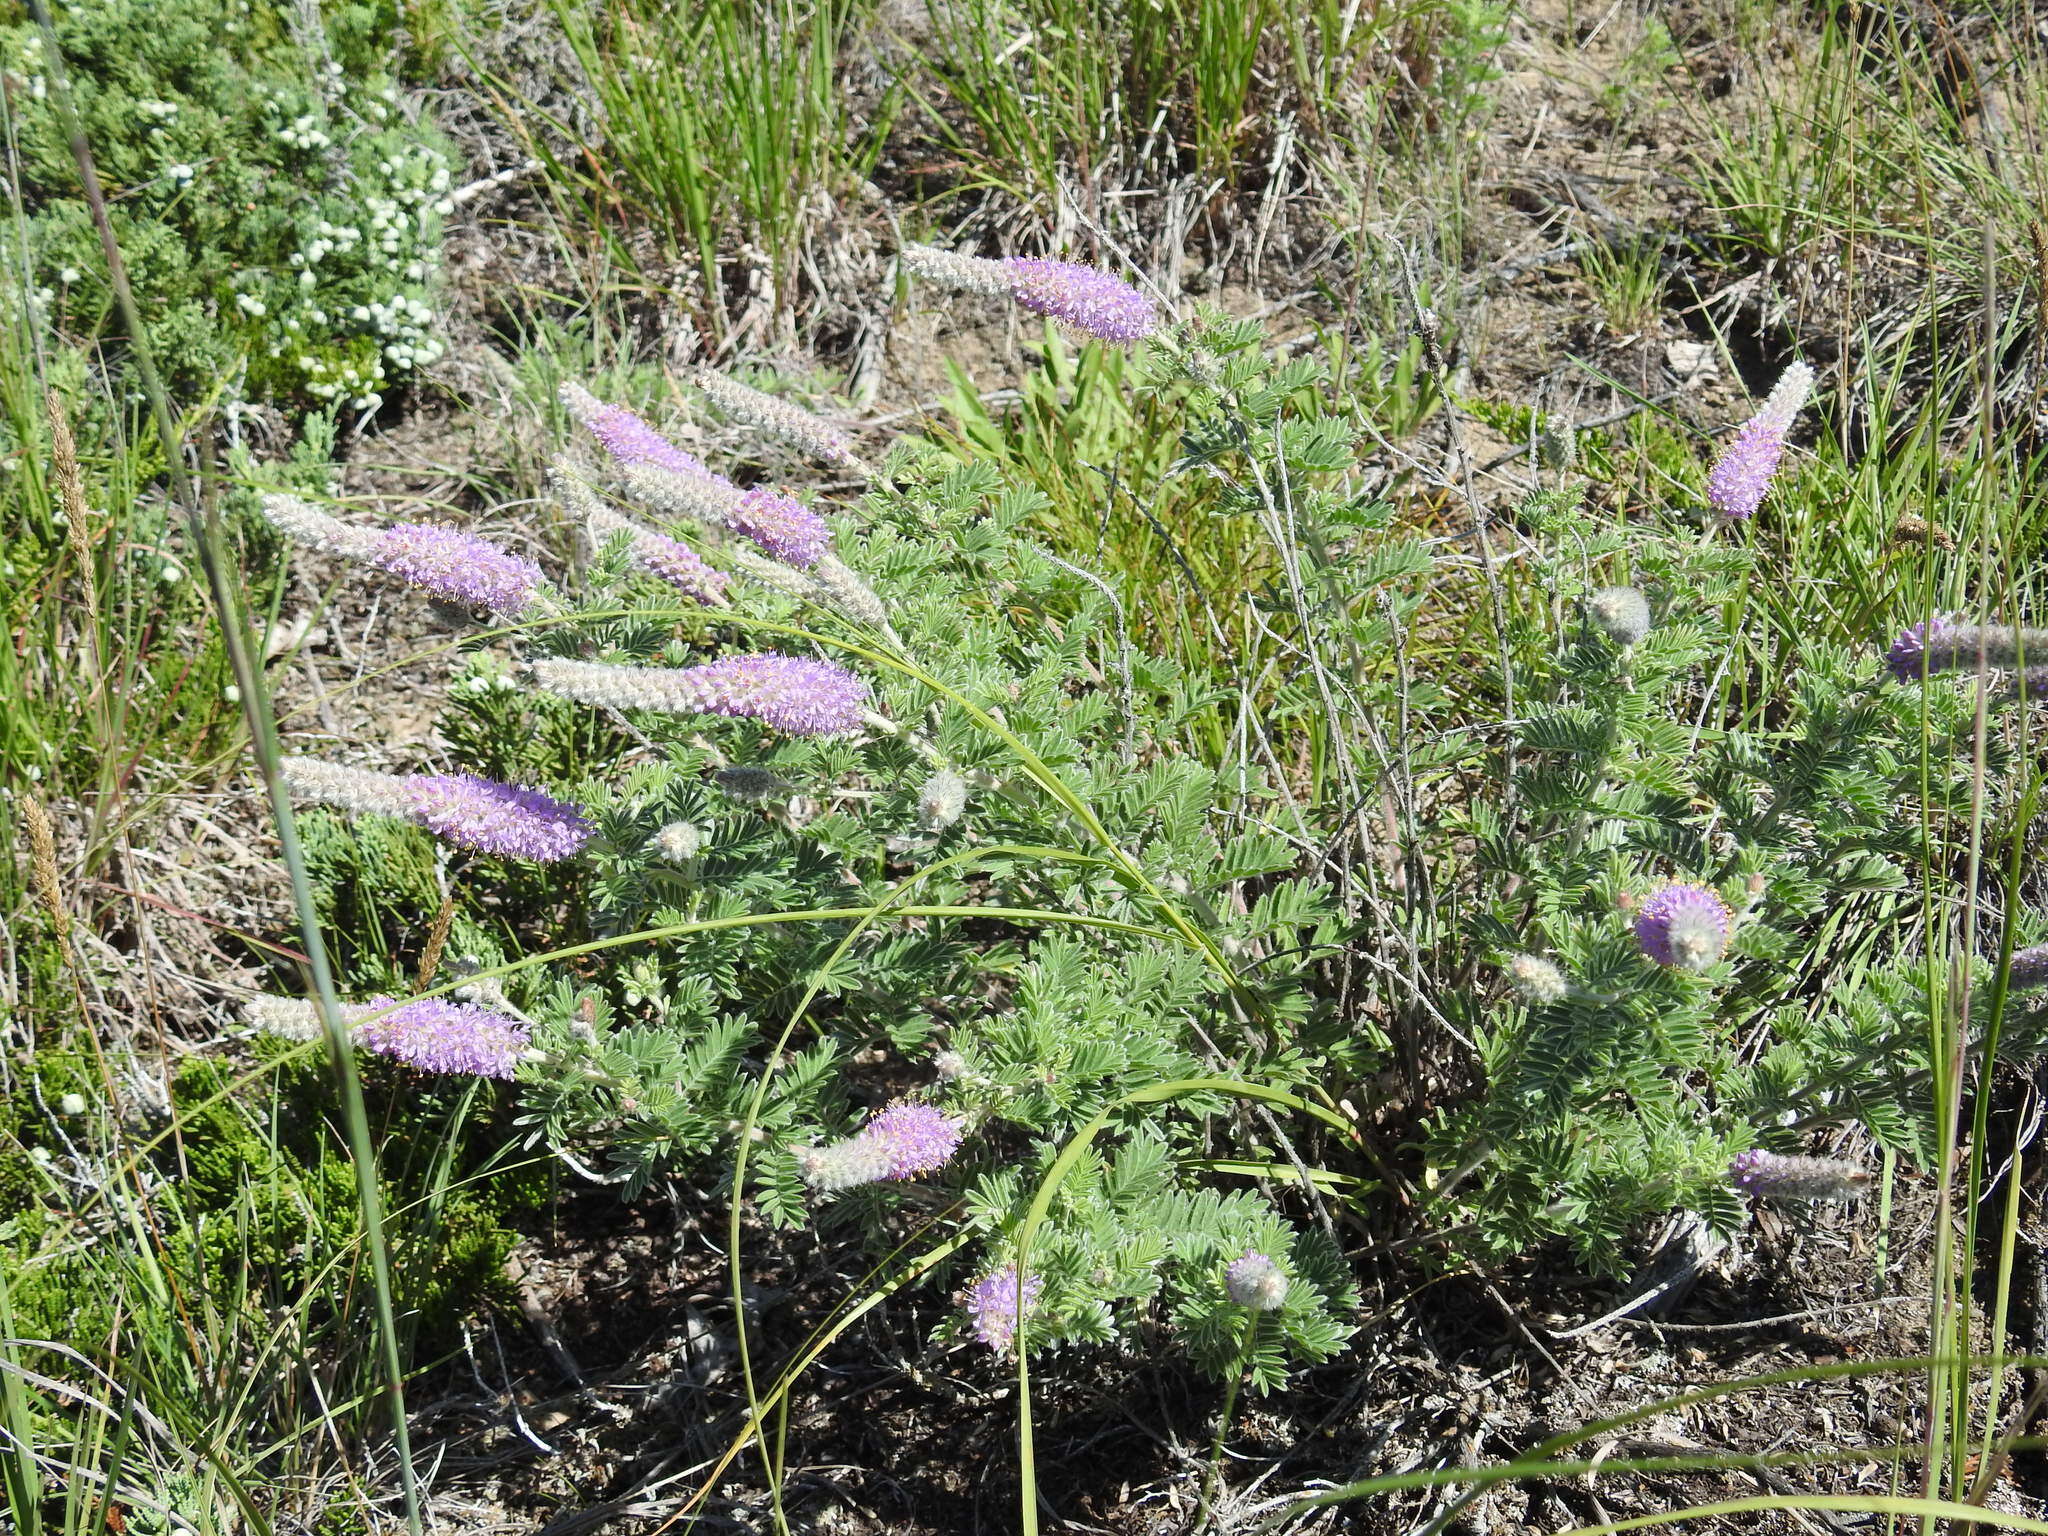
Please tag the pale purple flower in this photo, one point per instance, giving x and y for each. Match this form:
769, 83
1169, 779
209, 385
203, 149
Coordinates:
1092, 302
627, 437
2029, 971
444, 563
781, 525
670, 559
1256, 1282
1685, 926
998, 1304
1919, 650
918, 1138
1742, 474
471, 812
436, 1035
900, 1142
459, 567
1943, 643
1776, 1176
791, 423
791, 694
503, 819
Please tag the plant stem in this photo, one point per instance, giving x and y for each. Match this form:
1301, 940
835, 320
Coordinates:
1214, 1479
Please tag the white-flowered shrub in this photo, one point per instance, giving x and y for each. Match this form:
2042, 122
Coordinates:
278, 201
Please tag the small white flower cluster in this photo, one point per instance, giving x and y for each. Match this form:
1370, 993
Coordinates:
158, 111
304, 132
396, 241
33, 78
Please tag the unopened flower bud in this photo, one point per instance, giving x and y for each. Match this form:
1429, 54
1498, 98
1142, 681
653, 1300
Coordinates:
942, 800
1775, 1176
751, 785
679, 842
1538, 980
1557, 448
1622, 614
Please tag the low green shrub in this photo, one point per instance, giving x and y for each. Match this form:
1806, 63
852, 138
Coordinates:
1537, 897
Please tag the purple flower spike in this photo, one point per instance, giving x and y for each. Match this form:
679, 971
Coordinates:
1685, 926
1775, 1176
1920, 649
1092, 302
626, 436
1256, 1282
919, 1139
435, 1035
900, 1142
791, 694
998, 1305
783, 526
670, 559
459, 567
679, 565
503, 819
2029, 971
1742, 474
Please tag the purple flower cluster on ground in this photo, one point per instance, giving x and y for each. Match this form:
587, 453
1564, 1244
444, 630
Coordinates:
1684, 926
998, 1306
436, 1035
